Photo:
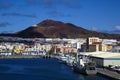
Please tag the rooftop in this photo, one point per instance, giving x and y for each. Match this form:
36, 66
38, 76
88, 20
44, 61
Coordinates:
103, 54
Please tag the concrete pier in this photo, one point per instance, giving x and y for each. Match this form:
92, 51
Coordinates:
108, 73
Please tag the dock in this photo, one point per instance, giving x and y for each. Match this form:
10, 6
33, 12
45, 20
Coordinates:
108, 73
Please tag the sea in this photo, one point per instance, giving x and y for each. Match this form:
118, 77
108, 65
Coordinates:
40, 69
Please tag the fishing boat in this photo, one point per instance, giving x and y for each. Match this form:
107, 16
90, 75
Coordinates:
85, 67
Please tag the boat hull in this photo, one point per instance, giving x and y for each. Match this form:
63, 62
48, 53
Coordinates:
78, 70
84, 71
91, 72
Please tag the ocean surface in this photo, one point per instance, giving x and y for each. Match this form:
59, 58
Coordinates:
39, 69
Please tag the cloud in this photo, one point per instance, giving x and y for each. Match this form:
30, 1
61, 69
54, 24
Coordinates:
94, 28
117, 28
18, 14
4, 24
5, 5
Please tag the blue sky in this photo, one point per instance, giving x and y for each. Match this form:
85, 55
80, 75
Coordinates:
98, 15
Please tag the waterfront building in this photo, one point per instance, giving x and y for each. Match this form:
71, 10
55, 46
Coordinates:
68, 50
116, 49
92, 40
104, 58
94, 44
109, 41
95, 47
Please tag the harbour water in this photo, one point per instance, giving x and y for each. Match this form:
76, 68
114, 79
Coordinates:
39, 69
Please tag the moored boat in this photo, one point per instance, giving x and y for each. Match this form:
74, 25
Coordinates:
85, 67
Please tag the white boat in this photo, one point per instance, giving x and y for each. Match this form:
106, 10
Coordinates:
62, 58
66, 59
70, 60
90, 69
85, 67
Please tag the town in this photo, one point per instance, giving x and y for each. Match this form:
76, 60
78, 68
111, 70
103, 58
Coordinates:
18, 46
104, 52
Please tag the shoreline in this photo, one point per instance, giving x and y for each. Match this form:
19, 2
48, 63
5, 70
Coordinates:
21, 56
101, 71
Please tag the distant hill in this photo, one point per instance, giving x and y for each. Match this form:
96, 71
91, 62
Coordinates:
57, 29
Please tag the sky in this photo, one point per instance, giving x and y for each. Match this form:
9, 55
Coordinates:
97, 15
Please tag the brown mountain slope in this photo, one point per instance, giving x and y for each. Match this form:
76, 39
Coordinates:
57, 29
53, 29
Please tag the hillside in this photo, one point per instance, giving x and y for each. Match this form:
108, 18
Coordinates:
57, 29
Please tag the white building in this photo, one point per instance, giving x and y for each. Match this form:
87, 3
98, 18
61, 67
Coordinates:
104, 58
109, 41
116, 49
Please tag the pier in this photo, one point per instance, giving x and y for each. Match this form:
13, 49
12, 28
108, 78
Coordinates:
108, 73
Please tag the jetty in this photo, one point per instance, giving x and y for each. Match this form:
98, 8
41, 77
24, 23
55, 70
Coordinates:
108, 73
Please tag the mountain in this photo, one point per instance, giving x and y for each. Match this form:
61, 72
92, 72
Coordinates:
57, 29
112, 31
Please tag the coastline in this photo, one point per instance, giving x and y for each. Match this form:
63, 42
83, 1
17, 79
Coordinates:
20, 56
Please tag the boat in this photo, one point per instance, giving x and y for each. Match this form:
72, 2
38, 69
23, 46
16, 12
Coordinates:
65, 58
90, 69
70, 60
62, 58
86, 67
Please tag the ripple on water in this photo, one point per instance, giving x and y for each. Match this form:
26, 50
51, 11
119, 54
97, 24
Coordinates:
4, 68
39, 69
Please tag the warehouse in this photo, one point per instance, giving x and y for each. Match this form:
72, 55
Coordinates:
104, 58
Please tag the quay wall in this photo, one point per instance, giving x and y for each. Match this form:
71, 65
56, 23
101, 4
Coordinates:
108, 73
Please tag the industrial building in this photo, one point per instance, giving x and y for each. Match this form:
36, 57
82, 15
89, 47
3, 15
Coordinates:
104, 58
